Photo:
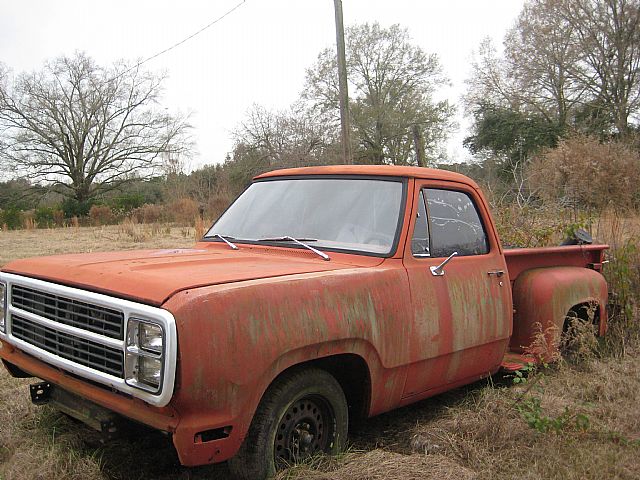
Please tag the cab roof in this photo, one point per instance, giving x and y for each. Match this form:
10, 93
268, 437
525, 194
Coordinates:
373, 170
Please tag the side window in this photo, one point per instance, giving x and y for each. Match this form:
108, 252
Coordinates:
454, 224
420, 239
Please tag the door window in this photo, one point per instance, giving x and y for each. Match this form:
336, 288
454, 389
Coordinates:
454, 224
420, 239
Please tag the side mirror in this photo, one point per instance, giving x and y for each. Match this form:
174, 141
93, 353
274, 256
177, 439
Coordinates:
439, 270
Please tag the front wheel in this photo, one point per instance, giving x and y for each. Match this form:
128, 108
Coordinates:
302, 414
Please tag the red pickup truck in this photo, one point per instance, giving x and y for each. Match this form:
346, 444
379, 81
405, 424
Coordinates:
321, 294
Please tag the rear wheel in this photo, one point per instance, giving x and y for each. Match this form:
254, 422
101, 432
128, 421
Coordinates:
303, 413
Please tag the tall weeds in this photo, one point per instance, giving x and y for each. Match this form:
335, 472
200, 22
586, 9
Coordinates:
200, 228
622, 233
623, 276
549, 225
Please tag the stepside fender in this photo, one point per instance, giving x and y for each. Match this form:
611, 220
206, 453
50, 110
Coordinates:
542, 297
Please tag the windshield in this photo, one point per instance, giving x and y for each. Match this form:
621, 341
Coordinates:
345, 214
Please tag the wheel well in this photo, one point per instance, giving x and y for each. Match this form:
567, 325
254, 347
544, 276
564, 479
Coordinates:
587, 312
352, 373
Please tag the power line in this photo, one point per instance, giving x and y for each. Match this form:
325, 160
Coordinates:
226, 14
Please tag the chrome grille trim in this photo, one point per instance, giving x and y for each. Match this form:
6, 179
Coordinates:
78, 358
96, 319
79, 350
61, 327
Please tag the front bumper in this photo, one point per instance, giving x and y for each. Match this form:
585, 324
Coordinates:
188, 432
160, 418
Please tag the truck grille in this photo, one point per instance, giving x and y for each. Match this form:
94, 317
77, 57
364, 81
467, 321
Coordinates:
94, 318
84, 333
85, 352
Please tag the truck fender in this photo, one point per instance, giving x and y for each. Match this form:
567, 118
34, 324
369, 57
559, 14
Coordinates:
347, 352
542, 297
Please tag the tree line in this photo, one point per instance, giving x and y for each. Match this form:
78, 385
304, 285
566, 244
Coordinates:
76, 133
569, 74
83, 133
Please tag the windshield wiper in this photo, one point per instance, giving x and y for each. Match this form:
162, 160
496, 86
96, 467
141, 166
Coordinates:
299, 241
224, 239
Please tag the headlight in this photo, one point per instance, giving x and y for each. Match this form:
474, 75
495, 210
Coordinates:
150, 371
145, 355
150, 337
3, 306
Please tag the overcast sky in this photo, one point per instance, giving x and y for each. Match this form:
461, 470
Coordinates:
257, 54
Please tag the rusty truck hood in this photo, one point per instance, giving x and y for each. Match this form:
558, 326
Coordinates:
152, 276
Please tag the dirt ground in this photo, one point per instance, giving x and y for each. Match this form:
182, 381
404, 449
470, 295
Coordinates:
579, 419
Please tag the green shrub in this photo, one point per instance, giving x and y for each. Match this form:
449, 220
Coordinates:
11, 217
73, 208
45, 217
534, 415
127, 202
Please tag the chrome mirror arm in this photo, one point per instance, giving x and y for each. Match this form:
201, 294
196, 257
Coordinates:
439, 270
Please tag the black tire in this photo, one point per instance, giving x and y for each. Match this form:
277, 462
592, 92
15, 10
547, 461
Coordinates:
303, 413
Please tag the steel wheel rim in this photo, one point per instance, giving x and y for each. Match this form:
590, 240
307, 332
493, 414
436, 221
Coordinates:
306, 428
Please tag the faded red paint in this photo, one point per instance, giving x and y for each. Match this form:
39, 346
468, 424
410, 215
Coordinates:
243, 317
152, 276
375, 170
541, 307
582, 256
462, 319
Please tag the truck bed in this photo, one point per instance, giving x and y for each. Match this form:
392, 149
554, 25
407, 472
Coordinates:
521, 259
585, 256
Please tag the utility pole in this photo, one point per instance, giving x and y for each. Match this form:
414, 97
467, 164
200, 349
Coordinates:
417, 140
342, 82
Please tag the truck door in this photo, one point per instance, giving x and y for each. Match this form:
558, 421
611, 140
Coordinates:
463, 311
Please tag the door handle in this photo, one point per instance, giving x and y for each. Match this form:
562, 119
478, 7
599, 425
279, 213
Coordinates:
497, 273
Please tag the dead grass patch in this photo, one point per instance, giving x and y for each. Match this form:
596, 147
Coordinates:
16, 244
477, 432
486, 434
384, 465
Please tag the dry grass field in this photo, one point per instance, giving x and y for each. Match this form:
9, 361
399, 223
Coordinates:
579, 419
128, 236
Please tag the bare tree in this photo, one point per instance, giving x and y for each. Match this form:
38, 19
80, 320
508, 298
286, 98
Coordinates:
267, 139
4, 173
575, 63
533, 74
288, 138
489, 82
392, 87
86, 129
607, 33
541, 56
